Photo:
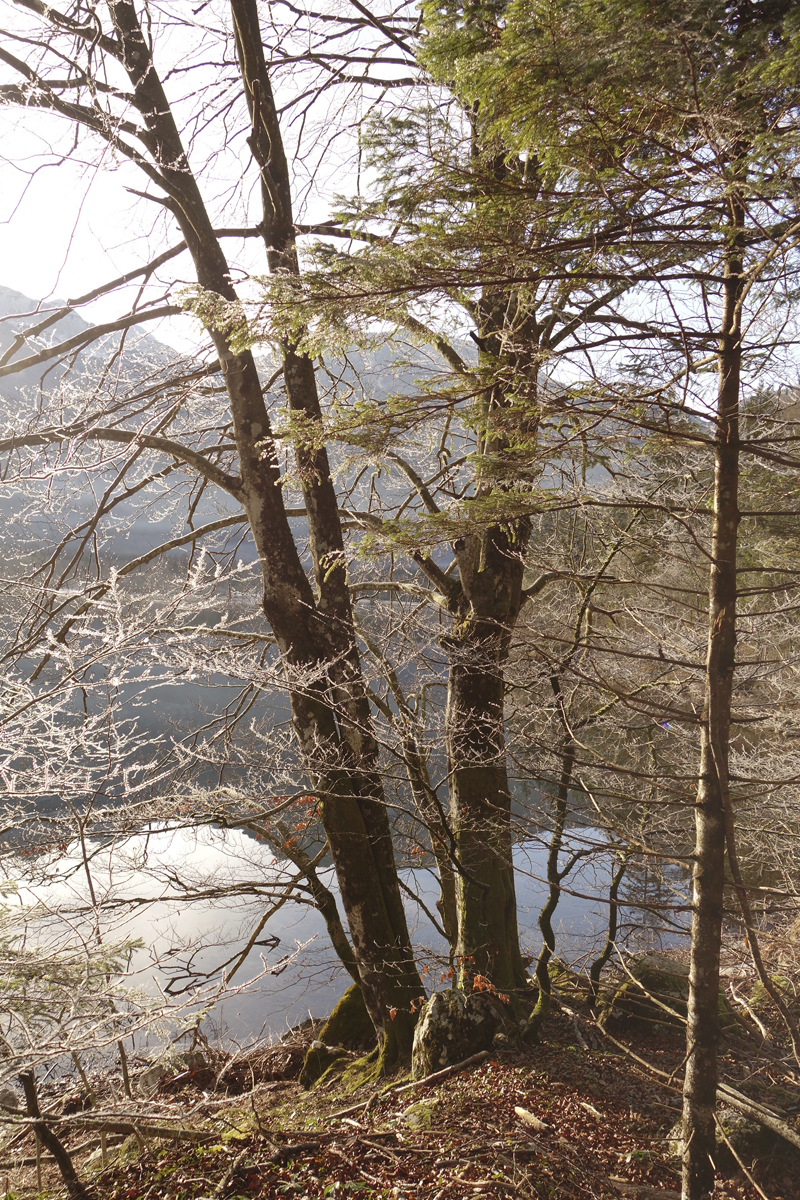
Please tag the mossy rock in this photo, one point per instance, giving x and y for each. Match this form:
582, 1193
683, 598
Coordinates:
761, 999
452, 1026
94, 1163
348, 1028
749, 1140
127, 1151
421, 1114
147, 1081
658, 994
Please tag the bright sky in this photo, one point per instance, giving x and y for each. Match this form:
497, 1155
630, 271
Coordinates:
68, 226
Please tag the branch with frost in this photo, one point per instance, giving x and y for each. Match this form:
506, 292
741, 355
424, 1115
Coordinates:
101, 589
104, 289
176, 450
80, 340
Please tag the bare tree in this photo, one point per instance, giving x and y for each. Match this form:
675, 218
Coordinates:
112, 89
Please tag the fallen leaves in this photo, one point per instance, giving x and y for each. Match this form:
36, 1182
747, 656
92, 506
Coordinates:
554, 1121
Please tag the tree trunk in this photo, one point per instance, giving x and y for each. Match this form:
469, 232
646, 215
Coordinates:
596, 969
490, 569
426, 801
333, 601
480, 799
314, 633
708, 880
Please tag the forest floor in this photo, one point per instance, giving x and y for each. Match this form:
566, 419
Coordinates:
596, 1123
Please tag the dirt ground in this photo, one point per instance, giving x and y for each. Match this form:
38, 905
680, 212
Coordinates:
595, 1122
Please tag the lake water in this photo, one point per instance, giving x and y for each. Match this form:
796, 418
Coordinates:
298, 973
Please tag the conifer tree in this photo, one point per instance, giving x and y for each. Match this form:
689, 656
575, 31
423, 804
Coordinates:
669, 133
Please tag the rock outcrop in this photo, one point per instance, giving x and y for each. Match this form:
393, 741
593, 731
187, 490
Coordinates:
736, 1134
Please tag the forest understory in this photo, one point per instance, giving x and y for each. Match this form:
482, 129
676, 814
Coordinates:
589, 1111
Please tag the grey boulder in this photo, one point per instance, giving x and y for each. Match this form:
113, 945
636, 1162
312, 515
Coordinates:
452, 1026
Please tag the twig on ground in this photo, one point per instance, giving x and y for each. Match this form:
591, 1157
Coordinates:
229, 1175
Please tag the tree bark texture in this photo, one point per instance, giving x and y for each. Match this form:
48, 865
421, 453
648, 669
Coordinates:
427, 804
708, 878
480, 800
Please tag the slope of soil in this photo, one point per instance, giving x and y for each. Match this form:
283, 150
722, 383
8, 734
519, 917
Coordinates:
595, 1123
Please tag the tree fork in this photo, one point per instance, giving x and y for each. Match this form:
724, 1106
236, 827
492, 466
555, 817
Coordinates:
334, 603
354, 819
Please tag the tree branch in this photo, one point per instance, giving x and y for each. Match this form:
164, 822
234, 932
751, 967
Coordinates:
438, 340
103, 290
193, 458
90, 335
408, 470
389, 33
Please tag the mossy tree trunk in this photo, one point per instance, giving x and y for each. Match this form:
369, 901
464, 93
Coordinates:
480, 800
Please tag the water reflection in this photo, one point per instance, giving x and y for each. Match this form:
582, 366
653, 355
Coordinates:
193, 898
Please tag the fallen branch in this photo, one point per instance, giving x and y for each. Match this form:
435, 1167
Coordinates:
644, 1191
141, 1128
230, 1175
473, 1061
749, 1108
757, 1112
